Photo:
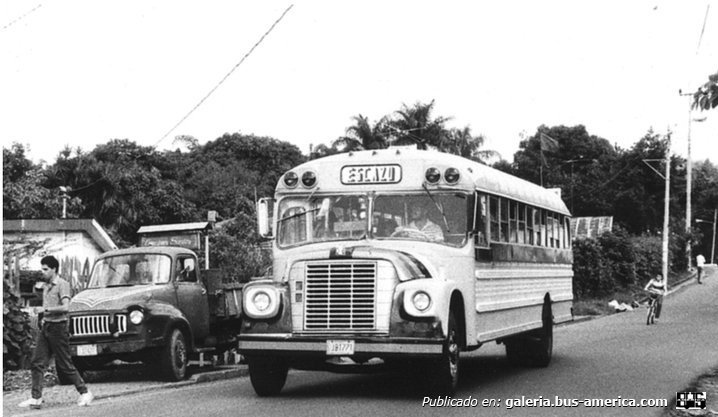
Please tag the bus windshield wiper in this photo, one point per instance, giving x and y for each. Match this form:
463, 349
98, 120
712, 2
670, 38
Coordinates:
298, 214
441, 210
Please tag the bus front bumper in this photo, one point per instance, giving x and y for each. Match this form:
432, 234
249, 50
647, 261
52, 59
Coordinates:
325, 346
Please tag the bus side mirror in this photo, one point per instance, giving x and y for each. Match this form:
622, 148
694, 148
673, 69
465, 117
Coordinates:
264, 217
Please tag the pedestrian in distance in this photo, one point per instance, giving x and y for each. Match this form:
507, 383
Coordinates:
657, 288
700, 263
53, 337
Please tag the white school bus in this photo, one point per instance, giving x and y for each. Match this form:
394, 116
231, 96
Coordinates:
404, 255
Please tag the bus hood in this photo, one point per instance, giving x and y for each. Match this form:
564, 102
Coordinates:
407, 266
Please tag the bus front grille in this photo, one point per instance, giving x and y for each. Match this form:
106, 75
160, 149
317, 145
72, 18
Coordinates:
340, 296
97, 325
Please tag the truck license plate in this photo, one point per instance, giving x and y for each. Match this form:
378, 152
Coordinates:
340, 347
87, 350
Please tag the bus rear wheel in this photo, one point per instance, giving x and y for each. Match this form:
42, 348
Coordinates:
267, 375
532, 349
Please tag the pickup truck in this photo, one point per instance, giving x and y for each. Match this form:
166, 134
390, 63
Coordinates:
153, 304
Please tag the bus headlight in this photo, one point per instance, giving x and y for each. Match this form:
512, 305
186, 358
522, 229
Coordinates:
136, 316
309, 179
452, 175
261, 301
291, 179
433, 175
421, 301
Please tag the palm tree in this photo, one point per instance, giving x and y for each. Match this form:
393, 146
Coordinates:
415, 125
462, 142
362, 135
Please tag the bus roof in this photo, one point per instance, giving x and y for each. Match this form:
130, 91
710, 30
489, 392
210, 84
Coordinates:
414, 162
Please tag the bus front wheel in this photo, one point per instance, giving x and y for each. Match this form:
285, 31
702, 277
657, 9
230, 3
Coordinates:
446, 368
267, 375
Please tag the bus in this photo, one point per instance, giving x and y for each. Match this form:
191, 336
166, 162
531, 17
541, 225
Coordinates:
403, 255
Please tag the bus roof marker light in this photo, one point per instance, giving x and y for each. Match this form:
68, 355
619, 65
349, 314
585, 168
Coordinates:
433, 175
309, 179
452, 175
291, 179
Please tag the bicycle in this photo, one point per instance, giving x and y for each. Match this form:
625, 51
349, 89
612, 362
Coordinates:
652, 304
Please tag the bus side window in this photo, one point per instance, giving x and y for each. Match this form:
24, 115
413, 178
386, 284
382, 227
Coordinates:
494, 218
481, 221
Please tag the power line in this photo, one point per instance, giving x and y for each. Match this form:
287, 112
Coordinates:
226, 76
705, 19
21, 17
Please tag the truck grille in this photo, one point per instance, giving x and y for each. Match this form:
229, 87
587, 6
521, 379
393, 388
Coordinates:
97, 325
340, 296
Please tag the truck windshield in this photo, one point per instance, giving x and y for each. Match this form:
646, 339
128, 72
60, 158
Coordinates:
128, 270
318, 219
432, 217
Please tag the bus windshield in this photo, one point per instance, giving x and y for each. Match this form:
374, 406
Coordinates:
129, 270
435, 217
310, 220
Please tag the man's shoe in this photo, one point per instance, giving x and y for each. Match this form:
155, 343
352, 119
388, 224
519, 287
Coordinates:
85, 399
32, 403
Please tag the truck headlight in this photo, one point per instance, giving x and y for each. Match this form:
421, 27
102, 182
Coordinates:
421, 301
136, 317
261, 301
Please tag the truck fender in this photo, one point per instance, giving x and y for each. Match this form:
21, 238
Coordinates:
168, 317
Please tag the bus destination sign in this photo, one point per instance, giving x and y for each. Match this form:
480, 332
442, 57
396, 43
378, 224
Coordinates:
371, 174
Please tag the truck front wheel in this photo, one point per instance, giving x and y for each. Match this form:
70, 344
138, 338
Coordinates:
267, 375
173, 357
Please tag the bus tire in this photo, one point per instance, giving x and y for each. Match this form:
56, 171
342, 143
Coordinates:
267, 375
172, 361
446, 368
534, 348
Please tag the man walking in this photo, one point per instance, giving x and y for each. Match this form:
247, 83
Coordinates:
700, 262
54, 336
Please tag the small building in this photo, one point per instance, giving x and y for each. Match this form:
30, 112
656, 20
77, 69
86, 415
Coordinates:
76, 243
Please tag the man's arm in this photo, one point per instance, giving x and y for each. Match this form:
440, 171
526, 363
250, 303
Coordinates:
62, 308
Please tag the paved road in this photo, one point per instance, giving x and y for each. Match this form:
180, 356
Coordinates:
616, 356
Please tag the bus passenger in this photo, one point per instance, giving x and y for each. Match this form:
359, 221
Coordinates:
420, 226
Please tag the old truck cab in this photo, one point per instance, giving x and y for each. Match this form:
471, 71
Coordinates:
152, 304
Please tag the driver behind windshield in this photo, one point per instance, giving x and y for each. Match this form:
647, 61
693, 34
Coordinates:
420, 223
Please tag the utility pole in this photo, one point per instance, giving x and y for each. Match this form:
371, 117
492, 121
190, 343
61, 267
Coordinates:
666, 205
689, 175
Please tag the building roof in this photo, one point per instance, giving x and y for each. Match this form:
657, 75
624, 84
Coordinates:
178, 227
89, 226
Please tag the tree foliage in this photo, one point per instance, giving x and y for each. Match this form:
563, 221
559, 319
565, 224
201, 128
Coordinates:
706, 97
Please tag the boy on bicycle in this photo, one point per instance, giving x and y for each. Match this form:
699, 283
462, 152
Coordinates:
657, 288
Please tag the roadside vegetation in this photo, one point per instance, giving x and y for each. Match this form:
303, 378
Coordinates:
124, 185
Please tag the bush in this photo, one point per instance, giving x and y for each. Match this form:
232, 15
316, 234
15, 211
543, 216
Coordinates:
17, 334
614, 262
235, 249
619, 257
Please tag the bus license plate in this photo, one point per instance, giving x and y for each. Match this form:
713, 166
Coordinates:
340, 347
87, 350
371, 174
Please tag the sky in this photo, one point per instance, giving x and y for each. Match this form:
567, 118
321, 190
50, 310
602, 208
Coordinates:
79, 73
